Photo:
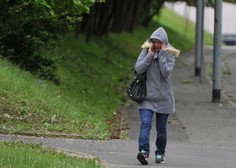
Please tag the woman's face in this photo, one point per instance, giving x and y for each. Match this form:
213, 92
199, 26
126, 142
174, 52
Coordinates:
157, 44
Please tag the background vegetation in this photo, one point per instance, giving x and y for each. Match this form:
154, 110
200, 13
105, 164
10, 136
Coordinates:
28, 26
93, 76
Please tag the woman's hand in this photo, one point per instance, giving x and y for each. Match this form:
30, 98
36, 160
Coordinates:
163, 46
151, 50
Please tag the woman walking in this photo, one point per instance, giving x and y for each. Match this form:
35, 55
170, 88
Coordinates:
157, 58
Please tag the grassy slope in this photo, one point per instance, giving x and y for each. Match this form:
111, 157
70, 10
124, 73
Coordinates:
94, 78
181, 32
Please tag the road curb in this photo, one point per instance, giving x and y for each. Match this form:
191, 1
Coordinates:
209, 80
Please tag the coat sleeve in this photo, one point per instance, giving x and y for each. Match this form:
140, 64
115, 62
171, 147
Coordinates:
166, 62
143, 62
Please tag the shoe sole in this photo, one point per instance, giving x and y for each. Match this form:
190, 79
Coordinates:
160, 162
142, 159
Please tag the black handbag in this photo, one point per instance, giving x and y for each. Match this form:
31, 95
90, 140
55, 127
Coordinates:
137, 88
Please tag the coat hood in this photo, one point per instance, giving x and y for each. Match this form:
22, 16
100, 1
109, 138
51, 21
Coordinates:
160, 34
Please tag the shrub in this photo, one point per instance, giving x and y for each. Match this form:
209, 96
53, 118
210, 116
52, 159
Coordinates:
28, 26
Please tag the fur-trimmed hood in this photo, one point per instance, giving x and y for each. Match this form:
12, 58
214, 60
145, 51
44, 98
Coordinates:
171, 49
160, 34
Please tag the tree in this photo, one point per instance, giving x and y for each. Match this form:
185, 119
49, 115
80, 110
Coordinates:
117, 16
28, 26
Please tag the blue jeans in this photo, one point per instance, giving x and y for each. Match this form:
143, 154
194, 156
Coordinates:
146, 125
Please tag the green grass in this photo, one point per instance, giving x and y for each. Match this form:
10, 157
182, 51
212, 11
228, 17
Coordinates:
19, 155
94, 77
83, 104
180, 35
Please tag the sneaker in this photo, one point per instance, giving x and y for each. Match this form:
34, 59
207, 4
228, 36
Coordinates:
159, 158
143, 157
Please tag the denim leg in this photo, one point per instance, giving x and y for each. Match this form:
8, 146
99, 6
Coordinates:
146, 125
161, 122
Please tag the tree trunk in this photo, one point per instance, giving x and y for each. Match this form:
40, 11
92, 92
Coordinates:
148, 19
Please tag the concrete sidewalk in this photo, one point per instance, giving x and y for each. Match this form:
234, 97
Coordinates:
201, 134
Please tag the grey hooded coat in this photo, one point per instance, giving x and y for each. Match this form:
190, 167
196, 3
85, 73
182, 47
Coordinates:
159, 96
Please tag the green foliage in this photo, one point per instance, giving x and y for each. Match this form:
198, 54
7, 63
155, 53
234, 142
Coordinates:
26, 27
70, 8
